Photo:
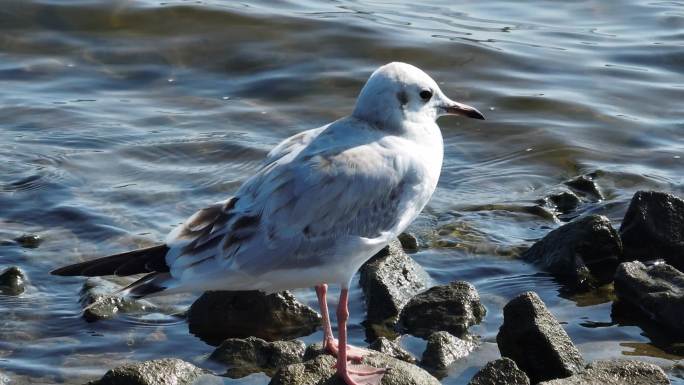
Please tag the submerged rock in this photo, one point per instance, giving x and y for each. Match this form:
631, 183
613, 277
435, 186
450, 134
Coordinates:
12, 281
392, 349
29, 241
503, 371
453, 307
442, 350
408, 241
585, 251
653, 228
100, 301
165, 371
320, 371
253, 355
564, 201
618, 372
585, 185
389, 280
532, 337
218, 315
657, 290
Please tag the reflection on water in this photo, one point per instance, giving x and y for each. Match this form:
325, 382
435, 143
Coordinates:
119, 119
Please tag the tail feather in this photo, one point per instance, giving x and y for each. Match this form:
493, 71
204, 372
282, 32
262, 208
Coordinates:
147, 260
148, 285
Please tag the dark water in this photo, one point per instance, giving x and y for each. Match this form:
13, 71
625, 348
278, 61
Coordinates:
119, 119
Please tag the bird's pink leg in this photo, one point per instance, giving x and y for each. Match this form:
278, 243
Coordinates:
329, 343
352, 374
328, 340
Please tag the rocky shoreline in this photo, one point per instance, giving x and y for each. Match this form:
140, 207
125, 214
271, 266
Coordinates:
256, 333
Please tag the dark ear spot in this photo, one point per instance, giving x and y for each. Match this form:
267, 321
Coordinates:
402, 97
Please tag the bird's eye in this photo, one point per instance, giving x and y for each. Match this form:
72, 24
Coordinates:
425, 95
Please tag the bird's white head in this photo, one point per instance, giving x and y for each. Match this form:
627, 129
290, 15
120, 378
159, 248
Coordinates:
397, 93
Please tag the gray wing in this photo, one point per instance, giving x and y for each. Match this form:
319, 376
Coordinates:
309, 194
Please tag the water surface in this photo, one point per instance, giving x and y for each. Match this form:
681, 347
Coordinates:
119, 119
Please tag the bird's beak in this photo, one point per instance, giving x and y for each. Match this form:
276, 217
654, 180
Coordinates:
455, 108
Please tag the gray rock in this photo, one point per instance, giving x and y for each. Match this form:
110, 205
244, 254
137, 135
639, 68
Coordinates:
29, 241
389, 280
392, 349
99, 301
165, 371
442, 350
314, 350
254, 355
453, 307
12, 281
503, 371
585, 185
653, 228
564, 201
218, 315
656, 290
585, 252
320, 371
618, 372
408, 241
532, 337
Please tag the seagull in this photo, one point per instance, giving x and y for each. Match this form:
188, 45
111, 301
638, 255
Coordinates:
322, 203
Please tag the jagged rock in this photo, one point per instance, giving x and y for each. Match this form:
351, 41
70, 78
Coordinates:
321, 371
503, 371
442, 350
392, 349
29, 241
532, 337
586, 186
656, 290
218, 315
99, 301
564, 201
653, 228
452, 307
619, 372
253, 355
585, 251
12, 281
408, 241
389, 280
166, 371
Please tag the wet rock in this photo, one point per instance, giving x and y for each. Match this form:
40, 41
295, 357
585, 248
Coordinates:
320, 371
29, 241
218, 315
653, 228
100, 301
453, 308
314, 350
585, 185
503, 371
618, 372
12, 281
585, 252
166, 371
564, 201
392, 349
658, 291
389, 280
408, 241
254, 355
532, 337
442, 350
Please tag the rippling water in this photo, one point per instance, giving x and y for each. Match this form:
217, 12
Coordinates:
119, 119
